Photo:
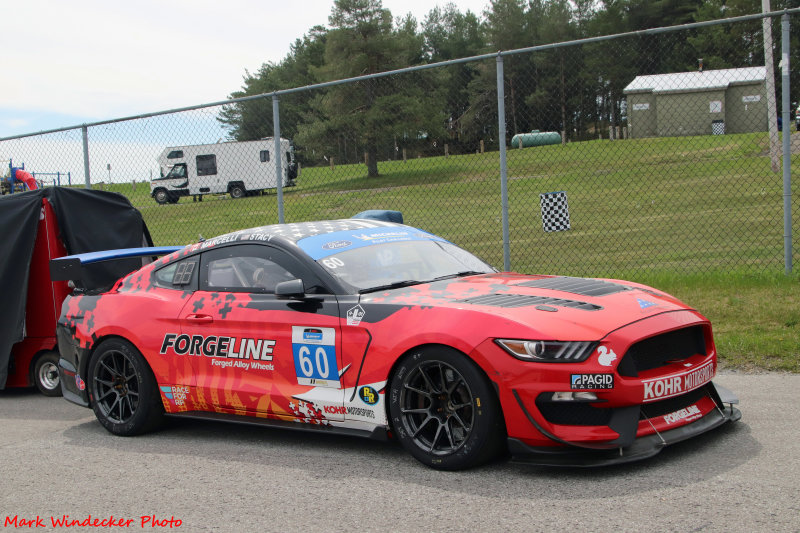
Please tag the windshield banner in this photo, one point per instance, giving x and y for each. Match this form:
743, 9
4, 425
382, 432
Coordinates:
321, 246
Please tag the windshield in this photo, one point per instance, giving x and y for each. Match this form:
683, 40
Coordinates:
398, 264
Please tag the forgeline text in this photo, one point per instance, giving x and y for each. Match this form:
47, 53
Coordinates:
213, 346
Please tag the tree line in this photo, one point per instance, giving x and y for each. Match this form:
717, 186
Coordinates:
577, 90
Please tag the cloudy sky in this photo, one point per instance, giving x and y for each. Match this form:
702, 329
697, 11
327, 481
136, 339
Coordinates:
70, 62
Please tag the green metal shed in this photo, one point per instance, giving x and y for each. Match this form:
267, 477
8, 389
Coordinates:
697, 103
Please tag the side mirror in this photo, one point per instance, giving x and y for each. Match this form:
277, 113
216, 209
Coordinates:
293, 288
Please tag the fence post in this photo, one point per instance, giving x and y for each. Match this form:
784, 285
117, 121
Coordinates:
787, 150
276, 133
87, 177
501, 137
772, 113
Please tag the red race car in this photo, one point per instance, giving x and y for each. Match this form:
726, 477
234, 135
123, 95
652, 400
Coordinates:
377, 329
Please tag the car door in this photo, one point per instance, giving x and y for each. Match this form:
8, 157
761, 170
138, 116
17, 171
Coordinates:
257, 353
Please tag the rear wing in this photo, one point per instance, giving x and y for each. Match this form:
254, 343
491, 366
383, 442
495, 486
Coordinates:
73, 267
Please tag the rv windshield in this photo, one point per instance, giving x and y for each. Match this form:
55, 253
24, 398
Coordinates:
178, 171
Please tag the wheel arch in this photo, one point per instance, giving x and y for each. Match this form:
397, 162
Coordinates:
84, 365
432, 345
237, 183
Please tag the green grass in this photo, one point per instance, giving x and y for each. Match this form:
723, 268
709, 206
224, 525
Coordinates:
700, 217
756, 318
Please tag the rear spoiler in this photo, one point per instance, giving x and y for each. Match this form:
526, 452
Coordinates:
70, 267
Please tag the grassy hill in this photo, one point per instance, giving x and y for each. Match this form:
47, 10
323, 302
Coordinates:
698, 216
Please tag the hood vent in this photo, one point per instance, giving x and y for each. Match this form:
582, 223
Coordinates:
519, 300
582, 286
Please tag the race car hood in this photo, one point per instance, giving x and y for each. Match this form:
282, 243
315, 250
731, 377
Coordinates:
589, 308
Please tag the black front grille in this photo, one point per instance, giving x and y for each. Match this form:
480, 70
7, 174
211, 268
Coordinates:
660, 350
572, 413
670, 405
521, 300
582, 286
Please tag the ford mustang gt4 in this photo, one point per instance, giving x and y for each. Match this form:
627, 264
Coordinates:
382, 330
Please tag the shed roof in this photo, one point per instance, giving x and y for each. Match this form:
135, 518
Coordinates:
693, 81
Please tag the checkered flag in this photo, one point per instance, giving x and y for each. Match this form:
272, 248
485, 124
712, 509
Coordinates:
555, 211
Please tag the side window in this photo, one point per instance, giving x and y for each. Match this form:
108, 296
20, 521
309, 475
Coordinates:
206, 165
288, 157
264, 156
175, 154
246, 268
180, 275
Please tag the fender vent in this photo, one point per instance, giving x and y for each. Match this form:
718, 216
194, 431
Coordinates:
582, 286
519, 300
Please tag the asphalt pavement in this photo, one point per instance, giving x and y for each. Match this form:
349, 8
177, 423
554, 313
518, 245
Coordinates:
211, 476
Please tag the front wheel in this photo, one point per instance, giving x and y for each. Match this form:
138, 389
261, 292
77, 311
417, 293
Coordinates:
123, 389
45, 374
161, 196
444, 411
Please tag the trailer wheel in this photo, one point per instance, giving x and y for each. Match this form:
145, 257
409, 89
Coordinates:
161, 196
237, 190
45, 374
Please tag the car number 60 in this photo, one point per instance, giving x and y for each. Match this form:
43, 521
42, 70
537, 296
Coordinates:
306, 364
333, 262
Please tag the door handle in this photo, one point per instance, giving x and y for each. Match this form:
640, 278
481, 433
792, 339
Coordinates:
200, 319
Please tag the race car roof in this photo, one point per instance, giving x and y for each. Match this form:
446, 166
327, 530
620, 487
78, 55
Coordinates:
295, 232
328, 237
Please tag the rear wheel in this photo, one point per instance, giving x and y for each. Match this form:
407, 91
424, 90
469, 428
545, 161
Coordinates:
237, 191
444, 410
45, 374
123, 389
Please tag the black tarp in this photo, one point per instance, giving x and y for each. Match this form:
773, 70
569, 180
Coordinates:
88, 221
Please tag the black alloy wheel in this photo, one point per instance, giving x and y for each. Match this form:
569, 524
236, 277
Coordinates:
123, 389
444, 410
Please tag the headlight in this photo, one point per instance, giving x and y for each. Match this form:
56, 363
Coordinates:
548, 351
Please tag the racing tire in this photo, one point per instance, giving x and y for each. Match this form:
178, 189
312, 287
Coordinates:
123, 389
237, 191
45, 374
161, 196
444, 411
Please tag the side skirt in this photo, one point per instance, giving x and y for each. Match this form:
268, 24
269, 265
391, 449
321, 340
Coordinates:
378, 433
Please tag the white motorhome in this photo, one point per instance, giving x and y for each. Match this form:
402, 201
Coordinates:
236, 168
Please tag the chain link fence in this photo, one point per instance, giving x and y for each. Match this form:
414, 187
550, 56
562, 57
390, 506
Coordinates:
618, 158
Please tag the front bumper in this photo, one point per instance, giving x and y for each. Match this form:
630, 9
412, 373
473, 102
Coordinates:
640, 448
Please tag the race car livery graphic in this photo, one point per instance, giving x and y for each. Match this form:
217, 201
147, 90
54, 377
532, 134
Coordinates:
382, 330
